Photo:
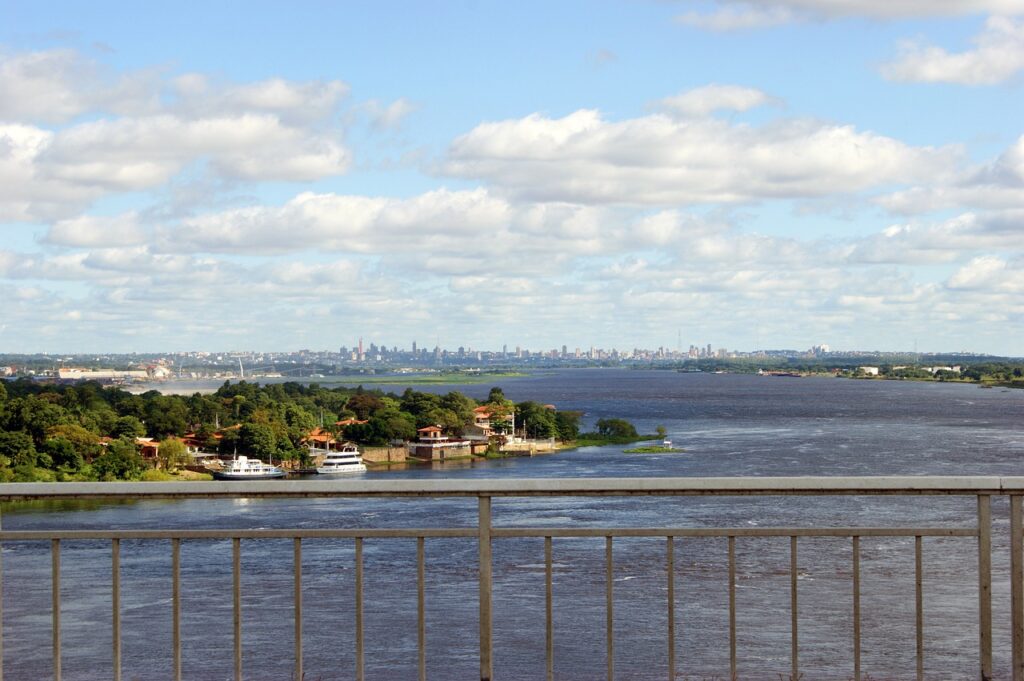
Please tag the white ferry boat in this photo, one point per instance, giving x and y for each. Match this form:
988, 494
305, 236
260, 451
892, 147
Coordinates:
342, 462
244, 468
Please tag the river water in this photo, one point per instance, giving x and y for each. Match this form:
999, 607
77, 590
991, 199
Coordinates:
729, 425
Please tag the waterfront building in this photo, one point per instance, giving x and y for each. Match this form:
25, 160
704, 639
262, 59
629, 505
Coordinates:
434, 445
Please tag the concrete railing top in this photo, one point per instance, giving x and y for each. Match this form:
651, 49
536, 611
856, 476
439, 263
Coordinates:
523, 487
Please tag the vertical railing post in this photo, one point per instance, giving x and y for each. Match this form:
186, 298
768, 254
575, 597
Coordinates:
55, 597
421, 608
549, 633
115, 587
1017, 587
732, 608
919, 605
359, 610
236, 559
609, 607
794, 641
856, 608
486, 666
297, 576
670, 568
1, 609
176, 606
985, 586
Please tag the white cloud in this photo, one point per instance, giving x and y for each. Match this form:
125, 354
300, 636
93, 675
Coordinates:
356, 224
734, 15
941, 242
657, 160
43, 86
295, 102
26, 192
139, 153
996, 185
998, 55
56, 86
736, 18
705, 100
87, 231
389, 116
138, 131
989, 274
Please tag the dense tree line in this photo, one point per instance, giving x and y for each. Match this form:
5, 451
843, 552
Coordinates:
85, 431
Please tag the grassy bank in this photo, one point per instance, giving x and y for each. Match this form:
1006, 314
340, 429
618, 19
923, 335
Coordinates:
653, 449
596, 440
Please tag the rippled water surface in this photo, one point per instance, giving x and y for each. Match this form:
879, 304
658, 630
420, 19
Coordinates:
730, 425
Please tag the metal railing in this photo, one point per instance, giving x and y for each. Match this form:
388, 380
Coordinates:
485, 533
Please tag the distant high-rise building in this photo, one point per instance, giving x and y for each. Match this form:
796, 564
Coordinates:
414, 347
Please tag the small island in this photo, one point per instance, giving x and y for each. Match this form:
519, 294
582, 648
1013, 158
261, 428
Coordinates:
653, 449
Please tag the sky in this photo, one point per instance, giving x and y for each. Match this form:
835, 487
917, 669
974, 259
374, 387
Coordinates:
279, 176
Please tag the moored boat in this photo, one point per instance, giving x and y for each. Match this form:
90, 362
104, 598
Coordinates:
342, 462
244, 468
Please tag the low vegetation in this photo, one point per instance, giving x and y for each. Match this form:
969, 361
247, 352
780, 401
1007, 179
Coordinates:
614, 432
652, 449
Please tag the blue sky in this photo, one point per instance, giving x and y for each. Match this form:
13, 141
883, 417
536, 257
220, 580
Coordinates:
767, 174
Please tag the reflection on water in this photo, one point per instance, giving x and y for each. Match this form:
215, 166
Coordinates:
729, 425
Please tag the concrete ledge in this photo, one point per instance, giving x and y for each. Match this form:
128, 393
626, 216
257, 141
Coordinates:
735, 486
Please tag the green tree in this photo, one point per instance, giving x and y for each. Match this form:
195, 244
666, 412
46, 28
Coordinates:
85, 442
536, 420
229, 441
299, 423
567, 423
64, 454
461, 406
173, 454
35, 415
128, 426
364, 405
449, 421
258, 440
121, 461
385, 426
616, 428
417, 403
166, 415
205, 438
17, 449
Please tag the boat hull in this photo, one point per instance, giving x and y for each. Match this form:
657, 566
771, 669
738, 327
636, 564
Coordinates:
218, 475
347, 470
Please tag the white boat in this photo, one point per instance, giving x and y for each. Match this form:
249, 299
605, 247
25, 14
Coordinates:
342, 462
244, 468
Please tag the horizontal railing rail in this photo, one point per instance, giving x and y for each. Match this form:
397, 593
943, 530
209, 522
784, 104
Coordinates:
983, 488
527, 487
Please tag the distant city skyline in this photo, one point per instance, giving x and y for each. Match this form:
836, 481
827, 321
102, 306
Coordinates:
760, 175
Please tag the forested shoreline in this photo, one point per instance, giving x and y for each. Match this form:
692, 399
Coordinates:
85, 431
